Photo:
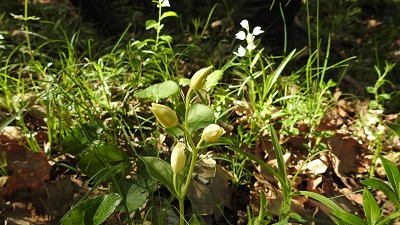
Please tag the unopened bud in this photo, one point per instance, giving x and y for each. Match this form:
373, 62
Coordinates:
165, 115
178, 158
212, 133
199, 78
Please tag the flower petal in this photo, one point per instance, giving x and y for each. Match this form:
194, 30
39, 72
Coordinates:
245, 24
241, 35
240, 52
257, 30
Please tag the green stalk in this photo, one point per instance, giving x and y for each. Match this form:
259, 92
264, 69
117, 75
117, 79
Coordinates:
183, 190
377, 153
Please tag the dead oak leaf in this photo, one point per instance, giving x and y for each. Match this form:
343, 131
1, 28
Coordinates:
344, 154
28, 169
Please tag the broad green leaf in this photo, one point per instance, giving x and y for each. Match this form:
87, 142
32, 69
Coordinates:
322, 199
193, 220
385, 188
144, 179
394, 127
348, 218
371, 90
168, 14
199, 117
393, 175
151, 24
92, 211
160, 170
105, 160
166, 38
371, 207
135, 195
158, 91
213, 79
81, 137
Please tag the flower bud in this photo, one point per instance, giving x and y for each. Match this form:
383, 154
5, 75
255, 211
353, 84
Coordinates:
178, 158
165, 115
212, 133
199, 78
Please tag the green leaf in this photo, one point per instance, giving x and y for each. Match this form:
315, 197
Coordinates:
168, 14
371, 90
213, 79
348, 218
193, 220
158, 91
385, 188
160, 170
81, 137
92, 211
260, 162
394, 127
322, 199
151, 24
135, 194
393, 174
221, 141
166, 38
199, 117
104, 161
279, 156
386, 220
371, 207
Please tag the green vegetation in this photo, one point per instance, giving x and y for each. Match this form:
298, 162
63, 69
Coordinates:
196, 124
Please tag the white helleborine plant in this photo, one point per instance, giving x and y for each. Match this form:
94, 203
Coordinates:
248, 36
212, 133
178, 158
199, 78
165, 115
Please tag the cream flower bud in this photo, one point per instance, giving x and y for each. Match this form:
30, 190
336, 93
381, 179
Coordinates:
178, 158
212, 133
199, 78
165, 115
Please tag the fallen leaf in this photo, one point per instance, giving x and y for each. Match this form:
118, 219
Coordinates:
317, 166
209, 190
28, 169
344, 154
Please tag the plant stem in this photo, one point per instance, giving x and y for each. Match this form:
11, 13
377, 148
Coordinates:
376, 155
182, 211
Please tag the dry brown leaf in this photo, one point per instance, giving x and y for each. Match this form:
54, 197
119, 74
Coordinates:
344, 154
209, 190
29, 169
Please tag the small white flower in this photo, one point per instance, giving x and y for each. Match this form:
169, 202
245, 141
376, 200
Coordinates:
245, 24
240, 52
241, 35
257, 30
1, 37
250, 42
165, 3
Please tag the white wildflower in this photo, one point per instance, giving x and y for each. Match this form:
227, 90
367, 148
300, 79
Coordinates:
257, 30
245, 24
241, 35
240, 52
250, 42
165, 3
